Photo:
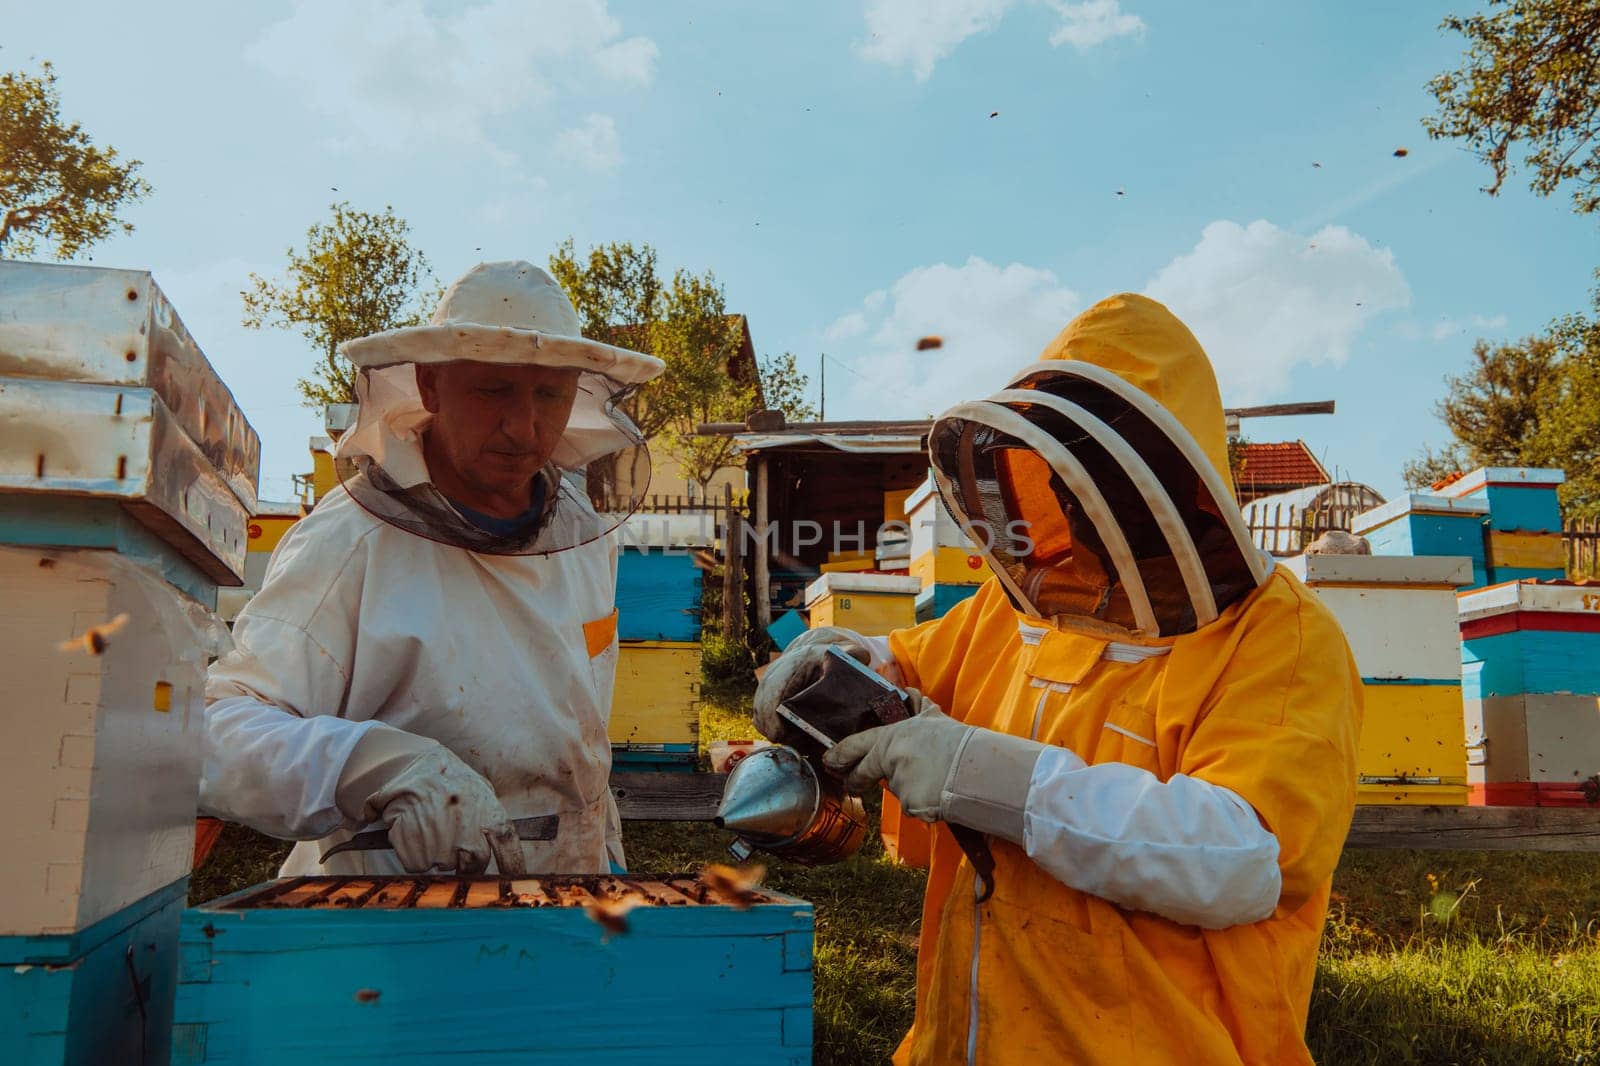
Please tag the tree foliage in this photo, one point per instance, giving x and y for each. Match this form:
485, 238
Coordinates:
783, 384
358, 274
56, 187
622, 299
1529, 403
1530, 80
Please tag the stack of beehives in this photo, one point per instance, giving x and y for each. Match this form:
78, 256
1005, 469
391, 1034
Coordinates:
126, 475
655, 717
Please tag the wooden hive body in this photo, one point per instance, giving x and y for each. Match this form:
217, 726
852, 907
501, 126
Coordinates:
1399, 615
452, 970
1531, 678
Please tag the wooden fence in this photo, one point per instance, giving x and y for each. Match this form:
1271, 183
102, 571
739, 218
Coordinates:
1286, 530
669, 504
1582, 538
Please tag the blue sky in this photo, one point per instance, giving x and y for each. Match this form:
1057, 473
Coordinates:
840, 167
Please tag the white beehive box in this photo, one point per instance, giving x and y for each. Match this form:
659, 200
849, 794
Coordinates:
100, 772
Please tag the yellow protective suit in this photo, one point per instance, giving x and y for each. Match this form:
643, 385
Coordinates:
1264, 701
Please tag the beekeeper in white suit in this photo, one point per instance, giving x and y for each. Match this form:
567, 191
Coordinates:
433, 647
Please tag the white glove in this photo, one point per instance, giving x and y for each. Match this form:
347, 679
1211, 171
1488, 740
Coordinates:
914, 757
943, 770
799, 666
441, 813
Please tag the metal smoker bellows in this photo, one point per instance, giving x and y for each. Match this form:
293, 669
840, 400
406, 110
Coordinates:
776, 801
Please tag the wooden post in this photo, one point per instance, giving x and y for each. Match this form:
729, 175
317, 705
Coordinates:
763, 589
732, 570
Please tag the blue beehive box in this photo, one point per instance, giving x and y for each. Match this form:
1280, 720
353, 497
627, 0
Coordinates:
475, 970
786, 627
935, 601
100, 995
1423, 524
658, 595
1521, 499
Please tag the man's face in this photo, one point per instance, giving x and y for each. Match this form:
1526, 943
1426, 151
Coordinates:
494, 426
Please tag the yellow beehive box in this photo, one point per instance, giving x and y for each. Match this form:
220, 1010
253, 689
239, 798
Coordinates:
894, 505
941, 551
848, 562
655, 703
950, 566
871, 604
1399, 615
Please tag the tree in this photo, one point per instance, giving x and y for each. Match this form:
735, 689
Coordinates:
358, 274
783, 385
1568, 433
1530, 80
621, 299
55, 185
1492, 412
1531, 403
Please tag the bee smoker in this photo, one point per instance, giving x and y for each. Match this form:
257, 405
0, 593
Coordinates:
778, 801
782, 801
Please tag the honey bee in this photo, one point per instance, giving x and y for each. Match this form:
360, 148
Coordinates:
737, 885
611, 914
97, 639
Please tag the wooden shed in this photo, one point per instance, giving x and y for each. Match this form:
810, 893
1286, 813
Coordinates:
823, 487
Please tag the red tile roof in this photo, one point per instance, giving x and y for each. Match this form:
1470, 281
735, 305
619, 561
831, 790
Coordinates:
1289, 464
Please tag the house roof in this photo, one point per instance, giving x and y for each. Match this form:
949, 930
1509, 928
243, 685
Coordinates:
1285, 463
742, 364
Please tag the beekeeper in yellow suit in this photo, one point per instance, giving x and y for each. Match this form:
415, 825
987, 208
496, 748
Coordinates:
1153, 726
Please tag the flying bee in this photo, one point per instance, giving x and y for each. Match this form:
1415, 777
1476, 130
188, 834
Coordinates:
738, 885
97, 638
611, 914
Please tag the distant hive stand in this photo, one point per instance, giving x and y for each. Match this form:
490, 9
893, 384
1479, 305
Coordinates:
1399, 615
1531, 677
474, 970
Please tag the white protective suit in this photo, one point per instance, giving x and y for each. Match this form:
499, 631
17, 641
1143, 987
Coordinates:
506, 659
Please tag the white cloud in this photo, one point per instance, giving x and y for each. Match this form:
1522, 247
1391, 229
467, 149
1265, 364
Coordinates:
1093, 22
593, 145
395, 76
919, 33
991, 320
1264, 301
844, 327
1451, 327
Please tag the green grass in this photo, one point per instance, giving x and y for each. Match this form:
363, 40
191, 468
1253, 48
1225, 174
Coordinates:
1428, 957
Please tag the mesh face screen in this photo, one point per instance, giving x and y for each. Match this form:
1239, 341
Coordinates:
1064, 564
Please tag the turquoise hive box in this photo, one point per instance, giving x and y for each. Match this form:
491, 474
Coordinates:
481, 970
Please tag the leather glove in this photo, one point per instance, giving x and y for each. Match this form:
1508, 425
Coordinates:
441, 812
799, 666
943, 770
915, 758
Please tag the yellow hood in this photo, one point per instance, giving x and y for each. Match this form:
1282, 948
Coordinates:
1147, 346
